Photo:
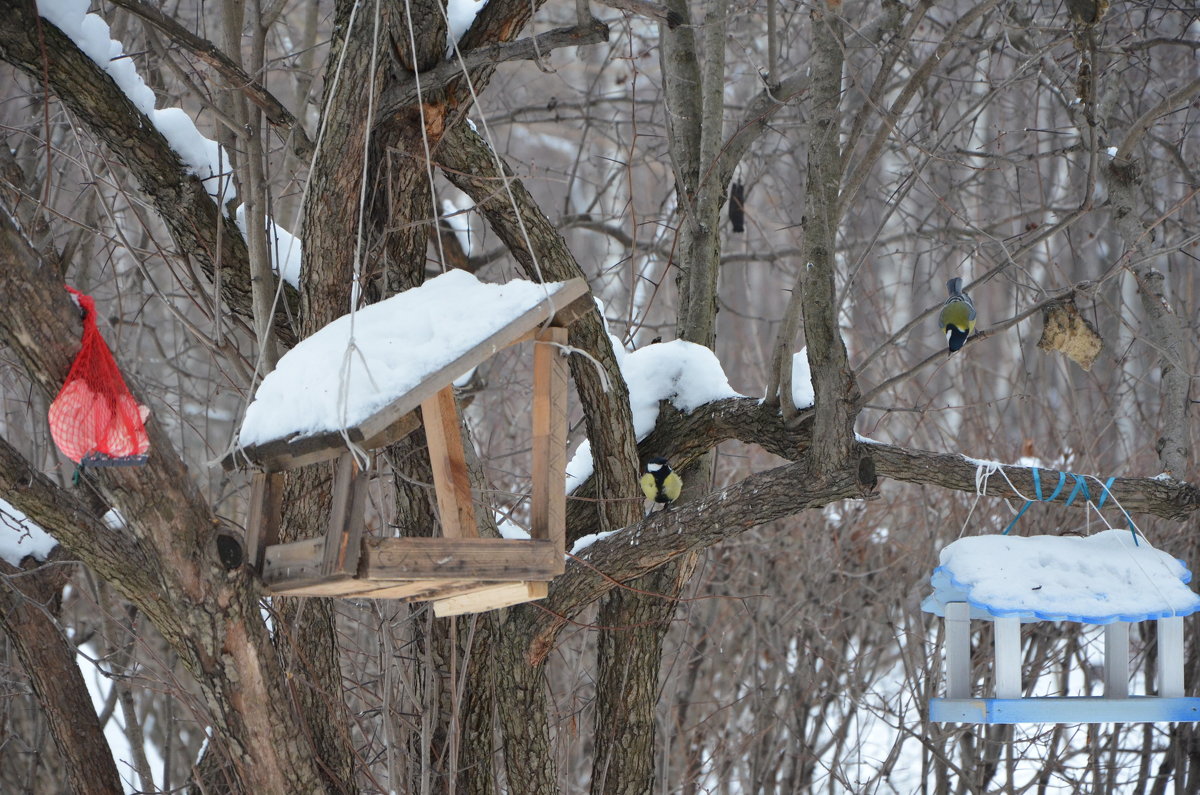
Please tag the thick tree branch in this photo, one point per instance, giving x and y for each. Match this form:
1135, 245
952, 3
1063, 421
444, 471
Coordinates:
179, 196
787, 490
471, 165
664, 536
163, 559
834, 383
27, 613
402, 93
234, 75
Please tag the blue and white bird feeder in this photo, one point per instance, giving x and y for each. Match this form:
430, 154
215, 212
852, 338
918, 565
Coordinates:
1107, 579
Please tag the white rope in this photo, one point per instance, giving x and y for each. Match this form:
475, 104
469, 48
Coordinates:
352, 348
982, 472
605, 383
317, 146
505, 179
412, 43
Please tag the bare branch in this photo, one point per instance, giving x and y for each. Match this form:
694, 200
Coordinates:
644, 8
404, 92
234, 75
178, 195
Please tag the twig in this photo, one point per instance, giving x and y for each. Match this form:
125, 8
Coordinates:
208, 52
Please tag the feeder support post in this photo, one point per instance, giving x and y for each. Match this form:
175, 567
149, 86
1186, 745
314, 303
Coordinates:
958, 650
549, 504
1008, 657
1170, 657
1116, 660
451, 481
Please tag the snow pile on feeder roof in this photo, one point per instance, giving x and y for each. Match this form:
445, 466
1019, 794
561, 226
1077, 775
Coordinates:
324, 384
1096, 579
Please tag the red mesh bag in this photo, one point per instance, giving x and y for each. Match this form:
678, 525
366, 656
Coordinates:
94, 420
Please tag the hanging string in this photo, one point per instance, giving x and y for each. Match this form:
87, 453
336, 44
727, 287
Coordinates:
412, 43
360, 456
1080, 489
505, 179
318, 146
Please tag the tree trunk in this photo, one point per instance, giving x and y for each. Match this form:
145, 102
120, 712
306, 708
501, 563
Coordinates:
29, 601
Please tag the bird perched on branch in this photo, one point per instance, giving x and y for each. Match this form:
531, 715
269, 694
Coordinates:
957, 318
660, 483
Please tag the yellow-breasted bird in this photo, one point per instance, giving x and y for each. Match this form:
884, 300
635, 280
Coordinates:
660, 483
957, 318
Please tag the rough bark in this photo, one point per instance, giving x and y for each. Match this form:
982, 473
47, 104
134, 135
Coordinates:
471, 165
833, 381
180, 198
28, 600
161, 561
635, 620
523, 713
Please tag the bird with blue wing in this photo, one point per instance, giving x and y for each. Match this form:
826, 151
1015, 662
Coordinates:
957, 317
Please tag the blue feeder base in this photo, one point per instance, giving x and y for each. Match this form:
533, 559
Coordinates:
1079, 709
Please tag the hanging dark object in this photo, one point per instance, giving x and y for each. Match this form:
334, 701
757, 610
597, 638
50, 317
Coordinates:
94, 420
737, 207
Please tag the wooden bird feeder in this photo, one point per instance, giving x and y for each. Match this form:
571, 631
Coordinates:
459, 571
1009, 580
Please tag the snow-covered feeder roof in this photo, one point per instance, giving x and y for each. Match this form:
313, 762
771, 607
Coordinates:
1097, 579
404, 350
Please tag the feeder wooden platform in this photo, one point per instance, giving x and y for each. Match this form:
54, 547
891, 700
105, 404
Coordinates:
459, 572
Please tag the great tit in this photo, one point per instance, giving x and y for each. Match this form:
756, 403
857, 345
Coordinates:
660, 483
957, 318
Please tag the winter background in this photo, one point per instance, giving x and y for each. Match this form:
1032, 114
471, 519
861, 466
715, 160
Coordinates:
800, 660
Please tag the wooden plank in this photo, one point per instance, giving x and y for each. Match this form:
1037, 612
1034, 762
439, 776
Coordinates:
293, 451
469, 558
420, 590
1078, 709
297, 451
1170, 657
451, 481
393, 433
293, 560
338, 585
492, 598
579, 307
1007, 665
265, 516
549, 501
344, 534
958, 650
1116, 660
